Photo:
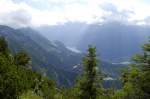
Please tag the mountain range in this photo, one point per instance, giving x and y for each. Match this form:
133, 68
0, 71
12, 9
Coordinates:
115, 41
51, 58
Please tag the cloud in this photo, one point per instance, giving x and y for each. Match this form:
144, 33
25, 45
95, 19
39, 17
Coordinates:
18, 18
21, 13
116, 14
15, 15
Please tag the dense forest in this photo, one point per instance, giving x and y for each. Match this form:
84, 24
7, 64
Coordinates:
19, 81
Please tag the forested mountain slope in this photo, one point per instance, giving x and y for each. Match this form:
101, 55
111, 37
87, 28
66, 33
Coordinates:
52, 58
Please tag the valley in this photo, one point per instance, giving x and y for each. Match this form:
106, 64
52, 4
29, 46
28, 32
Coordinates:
51, 58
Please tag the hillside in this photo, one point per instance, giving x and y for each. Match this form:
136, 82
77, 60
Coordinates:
54, 60
51, 58
123, 39
115, 41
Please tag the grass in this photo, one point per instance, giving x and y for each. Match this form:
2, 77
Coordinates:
30, 95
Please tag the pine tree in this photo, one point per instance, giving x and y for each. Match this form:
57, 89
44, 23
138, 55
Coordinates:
4, 47
143, 63
137, 77
90, 85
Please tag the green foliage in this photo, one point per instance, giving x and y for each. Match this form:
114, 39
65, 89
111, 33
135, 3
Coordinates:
21, 58
136, 78
89, 84
30, 95
16, 79
3, 45
45, 88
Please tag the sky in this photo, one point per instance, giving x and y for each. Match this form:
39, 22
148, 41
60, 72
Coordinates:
34, 13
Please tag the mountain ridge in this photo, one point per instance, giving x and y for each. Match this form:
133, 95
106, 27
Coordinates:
51, 58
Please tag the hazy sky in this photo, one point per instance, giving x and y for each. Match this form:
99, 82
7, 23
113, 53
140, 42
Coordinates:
20, 13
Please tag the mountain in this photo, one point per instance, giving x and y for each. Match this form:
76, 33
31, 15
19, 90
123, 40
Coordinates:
52, 58
69, 33
115, 41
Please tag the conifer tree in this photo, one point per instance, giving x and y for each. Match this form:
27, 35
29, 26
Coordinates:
90, 82
3, 45
143, 63
137, 77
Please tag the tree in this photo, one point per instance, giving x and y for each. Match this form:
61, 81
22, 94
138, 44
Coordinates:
137, 77
15, 80
90, 84
143, 63
21, 58
3, 45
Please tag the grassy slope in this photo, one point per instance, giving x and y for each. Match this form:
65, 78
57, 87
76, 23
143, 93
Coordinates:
30, 95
